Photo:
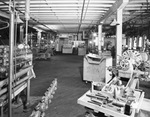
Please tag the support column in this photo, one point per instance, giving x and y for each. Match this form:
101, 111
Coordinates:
99, 39
27, 17
83, 34
21, 34
39, 37
119, 35
28, 92
11, 62
48, 37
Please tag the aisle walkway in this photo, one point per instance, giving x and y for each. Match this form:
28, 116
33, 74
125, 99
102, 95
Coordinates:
68, 71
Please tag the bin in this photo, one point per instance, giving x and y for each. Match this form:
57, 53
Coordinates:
95, 68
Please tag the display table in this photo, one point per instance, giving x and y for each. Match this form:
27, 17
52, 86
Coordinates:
86, 102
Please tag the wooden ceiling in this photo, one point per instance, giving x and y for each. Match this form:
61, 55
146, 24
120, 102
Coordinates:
72, 16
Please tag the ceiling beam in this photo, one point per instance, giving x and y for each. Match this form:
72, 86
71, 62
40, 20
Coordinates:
3, 14
72, 1
65, 23
60, 8
61, 13
64, 11
67, 5
64, 8
119, 4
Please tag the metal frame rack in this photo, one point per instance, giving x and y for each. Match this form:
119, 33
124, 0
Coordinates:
21, 77
15, 63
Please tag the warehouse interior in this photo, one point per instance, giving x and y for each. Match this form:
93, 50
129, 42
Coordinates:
74, 58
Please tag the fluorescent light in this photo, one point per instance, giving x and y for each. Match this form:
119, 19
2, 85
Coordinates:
21, 46
94, 34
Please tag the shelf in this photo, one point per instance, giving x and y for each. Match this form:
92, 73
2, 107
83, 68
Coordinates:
23, 71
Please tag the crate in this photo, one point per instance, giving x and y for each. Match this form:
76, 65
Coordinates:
96, 69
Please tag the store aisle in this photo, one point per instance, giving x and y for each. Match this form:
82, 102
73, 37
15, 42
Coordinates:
68, 71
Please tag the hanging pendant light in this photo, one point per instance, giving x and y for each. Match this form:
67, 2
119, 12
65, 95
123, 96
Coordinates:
18, 20
114, 23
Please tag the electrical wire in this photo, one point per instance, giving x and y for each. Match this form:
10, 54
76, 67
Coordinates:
5, 26
2, 42
24, 14
86, 9
81, 17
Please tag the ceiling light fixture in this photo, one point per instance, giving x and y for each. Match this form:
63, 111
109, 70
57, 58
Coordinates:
18, 20
114, 23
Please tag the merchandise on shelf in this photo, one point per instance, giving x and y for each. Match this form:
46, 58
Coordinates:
22, 73
22, 58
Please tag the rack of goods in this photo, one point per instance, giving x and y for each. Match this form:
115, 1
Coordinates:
44, 50
67, 49
23, 72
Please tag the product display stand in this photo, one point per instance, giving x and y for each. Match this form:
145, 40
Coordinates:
91, 100
119, 98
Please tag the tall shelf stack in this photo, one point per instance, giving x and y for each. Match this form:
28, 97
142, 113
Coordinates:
23, 72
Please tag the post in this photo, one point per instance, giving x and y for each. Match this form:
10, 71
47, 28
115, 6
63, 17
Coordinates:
28, 90
119, 35
11, 66
99, 39
21, 34
26, 34
39, 36
27, 17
